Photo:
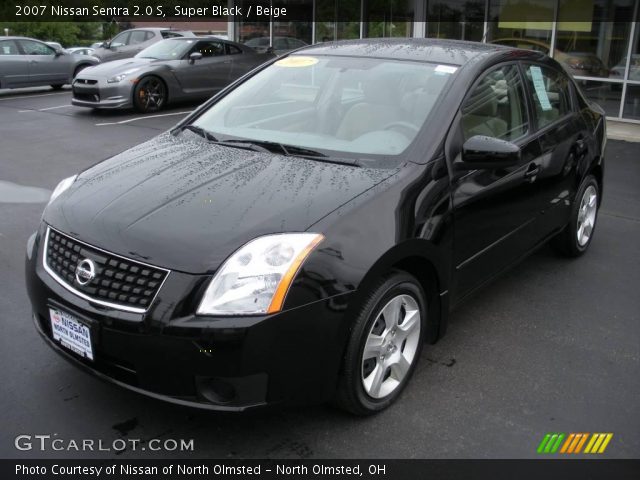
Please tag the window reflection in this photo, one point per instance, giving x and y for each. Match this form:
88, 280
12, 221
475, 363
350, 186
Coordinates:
523, 24
456, 19
329, 14
388, 18
605, 94
593, 36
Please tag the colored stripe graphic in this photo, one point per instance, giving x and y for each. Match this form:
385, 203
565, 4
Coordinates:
581, 442
598, 443
551, 442
574, 442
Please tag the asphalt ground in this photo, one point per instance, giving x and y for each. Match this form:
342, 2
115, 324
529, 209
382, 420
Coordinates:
551, 346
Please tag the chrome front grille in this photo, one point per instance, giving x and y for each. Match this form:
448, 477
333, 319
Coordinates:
115, 281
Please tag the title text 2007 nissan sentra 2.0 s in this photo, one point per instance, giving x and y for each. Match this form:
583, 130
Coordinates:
300, 236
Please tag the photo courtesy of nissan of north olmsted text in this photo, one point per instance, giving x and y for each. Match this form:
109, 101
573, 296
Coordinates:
299, 239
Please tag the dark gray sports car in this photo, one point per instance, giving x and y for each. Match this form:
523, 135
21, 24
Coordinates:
171, 70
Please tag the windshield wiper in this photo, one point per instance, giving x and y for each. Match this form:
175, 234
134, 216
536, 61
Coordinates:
200, 131
292, 151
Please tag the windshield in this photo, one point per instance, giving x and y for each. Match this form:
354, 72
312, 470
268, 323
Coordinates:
170, 49
355, 106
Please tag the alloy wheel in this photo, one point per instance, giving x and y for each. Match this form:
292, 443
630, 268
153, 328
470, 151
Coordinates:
151, 94
587, 215
391, 346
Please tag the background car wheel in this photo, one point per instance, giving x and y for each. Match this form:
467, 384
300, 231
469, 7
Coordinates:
149, 95
576, 237
384, 346
57, 87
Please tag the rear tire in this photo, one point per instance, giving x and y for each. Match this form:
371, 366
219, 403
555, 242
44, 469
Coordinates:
576, 236
391, 324
150, 94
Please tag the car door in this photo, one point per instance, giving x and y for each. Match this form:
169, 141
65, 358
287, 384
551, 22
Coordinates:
14, 66
563, 143
207, 75
137, 41
494, 209
45, 66
114, 52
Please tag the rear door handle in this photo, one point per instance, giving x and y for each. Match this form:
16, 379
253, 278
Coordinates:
532, 172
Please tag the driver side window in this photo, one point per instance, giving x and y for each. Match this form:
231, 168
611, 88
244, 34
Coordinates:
209, 49
36, 48
120, 40
496, 106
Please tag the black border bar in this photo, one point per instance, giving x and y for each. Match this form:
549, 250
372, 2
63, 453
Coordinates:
269, 469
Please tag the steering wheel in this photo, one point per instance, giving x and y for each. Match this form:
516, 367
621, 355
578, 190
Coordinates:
401, 125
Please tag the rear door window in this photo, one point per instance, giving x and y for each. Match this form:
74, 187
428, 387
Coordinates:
551, 93
8, 47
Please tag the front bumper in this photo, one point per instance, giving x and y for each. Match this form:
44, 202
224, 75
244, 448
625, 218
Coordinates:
96, 92
230, 364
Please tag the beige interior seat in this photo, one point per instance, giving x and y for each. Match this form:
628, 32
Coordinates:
480, 116
379, 108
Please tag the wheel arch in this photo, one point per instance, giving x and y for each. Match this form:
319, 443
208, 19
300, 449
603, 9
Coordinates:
597, 171
79, 67
420, 259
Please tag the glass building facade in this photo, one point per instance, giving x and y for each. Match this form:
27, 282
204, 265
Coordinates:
596, 40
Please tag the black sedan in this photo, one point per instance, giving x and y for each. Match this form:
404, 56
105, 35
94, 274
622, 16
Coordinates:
302, 235
176, 69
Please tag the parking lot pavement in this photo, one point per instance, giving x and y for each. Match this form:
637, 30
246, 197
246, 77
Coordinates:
552, 346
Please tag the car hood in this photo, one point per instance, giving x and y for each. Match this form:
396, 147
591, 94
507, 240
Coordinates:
185, 204
116, 67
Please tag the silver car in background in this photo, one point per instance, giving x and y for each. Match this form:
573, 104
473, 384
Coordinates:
27, 62
131, 42
176, 69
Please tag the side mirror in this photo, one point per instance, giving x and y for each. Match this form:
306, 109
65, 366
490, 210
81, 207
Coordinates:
105, 44
195, 56
59, 51
481, 151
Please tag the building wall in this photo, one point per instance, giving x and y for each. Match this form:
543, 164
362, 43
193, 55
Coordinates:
596, 40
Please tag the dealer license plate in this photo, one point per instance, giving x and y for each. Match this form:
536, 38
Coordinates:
71, 333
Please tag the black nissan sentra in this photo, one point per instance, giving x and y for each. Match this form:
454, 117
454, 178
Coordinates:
299, 237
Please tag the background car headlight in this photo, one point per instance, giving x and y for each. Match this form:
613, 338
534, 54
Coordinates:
62, 186
123, 75
256, 278
117, 78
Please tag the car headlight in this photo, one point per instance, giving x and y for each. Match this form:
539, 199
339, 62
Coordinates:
123, 75
256, 278
62, 186
117, 78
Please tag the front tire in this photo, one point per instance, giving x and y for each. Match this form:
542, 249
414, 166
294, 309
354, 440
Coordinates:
150, 95
384, 346
576, 237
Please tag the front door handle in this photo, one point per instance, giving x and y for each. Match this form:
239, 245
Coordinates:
532, 172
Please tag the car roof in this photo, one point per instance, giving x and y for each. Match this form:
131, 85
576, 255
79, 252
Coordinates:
23, 38
455, 52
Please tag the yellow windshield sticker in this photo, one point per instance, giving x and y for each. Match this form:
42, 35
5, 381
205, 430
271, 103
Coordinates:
296, 61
